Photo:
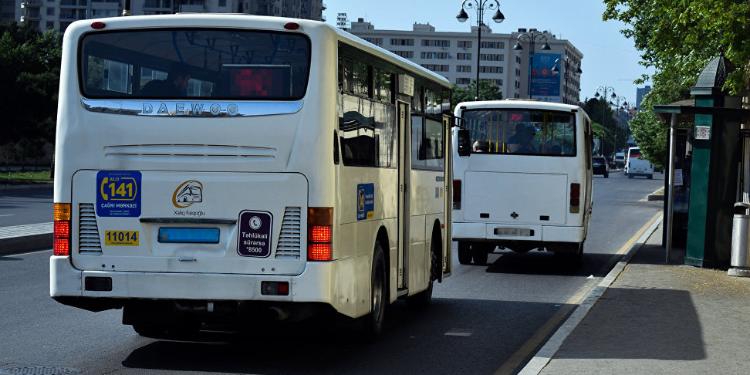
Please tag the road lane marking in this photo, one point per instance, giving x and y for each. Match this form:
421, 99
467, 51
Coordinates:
459, 332
568, 308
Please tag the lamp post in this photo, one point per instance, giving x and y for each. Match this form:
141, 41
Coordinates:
480, 6
604, 92
567, 65
531, 37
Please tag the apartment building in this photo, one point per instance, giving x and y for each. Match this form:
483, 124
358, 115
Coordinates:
454, 55
58, 14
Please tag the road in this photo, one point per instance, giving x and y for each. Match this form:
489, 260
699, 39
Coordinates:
483, 318
28, 205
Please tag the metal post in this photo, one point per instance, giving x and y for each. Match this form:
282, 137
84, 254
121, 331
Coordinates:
670, 193
745, 165
480, 13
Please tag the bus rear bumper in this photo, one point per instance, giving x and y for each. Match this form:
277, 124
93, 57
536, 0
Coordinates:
498, 232
112, 289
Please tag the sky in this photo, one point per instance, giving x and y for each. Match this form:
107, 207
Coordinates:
609, 59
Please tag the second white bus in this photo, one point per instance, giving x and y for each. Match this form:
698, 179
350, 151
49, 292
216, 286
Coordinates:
522, 178
232, 167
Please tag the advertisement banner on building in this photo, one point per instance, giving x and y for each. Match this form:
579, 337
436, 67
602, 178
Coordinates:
545, 84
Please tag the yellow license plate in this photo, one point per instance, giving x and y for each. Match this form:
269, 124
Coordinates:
121, 238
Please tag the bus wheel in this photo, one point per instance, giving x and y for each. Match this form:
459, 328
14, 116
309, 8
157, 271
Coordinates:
480, 252
464, 252
424, 298
373, 322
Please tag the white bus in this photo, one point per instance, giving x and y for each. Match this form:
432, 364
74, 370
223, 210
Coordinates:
230, 166
522, 178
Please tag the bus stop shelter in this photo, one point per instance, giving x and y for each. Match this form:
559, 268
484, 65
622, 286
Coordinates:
705, 173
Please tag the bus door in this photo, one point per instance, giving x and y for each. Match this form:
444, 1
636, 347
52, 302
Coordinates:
448, 183
404, 172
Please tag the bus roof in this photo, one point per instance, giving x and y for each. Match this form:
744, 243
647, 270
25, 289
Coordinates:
518, 104
239, 20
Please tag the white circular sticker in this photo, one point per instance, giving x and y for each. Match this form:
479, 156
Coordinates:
255, 223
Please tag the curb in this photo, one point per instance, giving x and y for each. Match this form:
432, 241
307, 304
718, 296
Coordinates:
550, 348
24, 186
25, 238
24, 244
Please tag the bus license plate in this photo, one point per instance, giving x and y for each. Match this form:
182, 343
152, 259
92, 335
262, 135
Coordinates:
515, 232
121, 238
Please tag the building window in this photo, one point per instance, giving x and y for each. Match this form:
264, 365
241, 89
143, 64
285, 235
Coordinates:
436, 68
463, 68
436, 43
434, 55
518, 72
463, 81
50, 11
222, 3
375, 41
518, 59
50, 25
499, 82
495, 45
402, 42
492, 57
464, 44
405, 54
463, 56
490, 69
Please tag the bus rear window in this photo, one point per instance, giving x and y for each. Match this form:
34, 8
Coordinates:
195, 64
521, 132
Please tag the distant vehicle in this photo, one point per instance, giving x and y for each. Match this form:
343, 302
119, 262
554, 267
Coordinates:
522, 178
636, 165
601, 166
619, 160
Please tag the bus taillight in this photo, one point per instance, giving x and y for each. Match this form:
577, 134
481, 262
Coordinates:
456, 194
575, 198
320, 233
61, 229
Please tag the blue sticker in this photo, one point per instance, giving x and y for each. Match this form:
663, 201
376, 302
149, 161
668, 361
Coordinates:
365, 201
118, 194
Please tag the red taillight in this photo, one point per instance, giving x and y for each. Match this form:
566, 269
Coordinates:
98, 25
456, 194
291, 26
320, 233
575, 198
274, 288
61, 229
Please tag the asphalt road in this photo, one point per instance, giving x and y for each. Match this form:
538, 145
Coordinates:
483, 318
26, 206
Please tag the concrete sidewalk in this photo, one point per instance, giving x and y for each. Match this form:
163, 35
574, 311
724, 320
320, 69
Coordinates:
663, 319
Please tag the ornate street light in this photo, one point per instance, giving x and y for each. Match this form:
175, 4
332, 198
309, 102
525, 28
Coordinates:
567, 65
531, 37
480, 6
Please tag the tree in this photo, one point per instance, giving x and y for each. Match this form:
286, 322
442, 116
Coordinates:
487, 91
678, 38
29, 79
605, 125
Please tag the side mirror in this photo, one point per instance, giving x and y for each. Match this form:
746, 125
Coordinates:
464, 142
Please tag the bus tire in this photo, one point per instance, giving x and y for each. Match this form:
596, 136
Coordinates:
372, 323
424, 298
464, 252
651, 177
480, 252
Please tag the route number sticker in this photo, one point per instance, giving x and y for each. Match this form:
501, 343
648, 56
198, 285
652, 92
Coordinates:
118, 194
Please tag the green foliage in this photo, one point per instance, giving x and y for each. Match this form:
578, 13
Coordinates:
605, 125
487, 91
678, 38
29, 77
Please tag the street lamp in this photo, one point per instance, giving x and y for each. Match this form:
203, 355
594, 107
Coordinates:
480, 6
604, 92
531, 37
567, 65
